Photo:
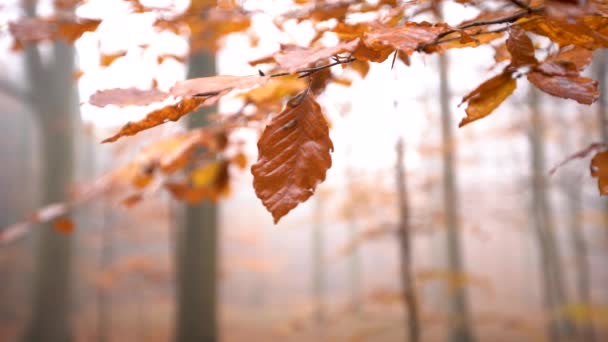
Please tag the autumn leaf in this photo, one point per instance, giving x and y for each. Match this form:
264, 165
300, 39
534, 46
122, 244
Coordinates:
107, 59
215, 85
158, 117
407, 38
292, 58
64, 225
123, 97
294, 156
520, 48
581, 32
35, 30
599, 170
581, 89
487, 97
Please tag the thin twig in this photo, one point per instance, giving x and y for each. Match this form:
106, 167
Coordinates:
309, 71
503, 20
522, 4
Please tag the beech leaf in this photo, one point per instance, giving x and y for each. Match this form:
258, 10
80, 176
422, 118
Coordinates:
294, 156
599, 170
487, 97
158, 117
215, 85
126, 97
581, 89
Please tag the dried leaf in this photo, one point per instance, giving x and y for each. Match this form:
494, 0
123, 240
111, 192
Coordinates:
158, 117
294, 156
599, 170
583, 32
406, 38
126, 97
35, 30
64, 225
107, 59
215, 85
487, 97
293, 58
520, 48
581, 89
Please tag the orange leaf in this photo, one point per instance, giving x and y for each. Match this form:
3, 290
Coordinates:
108, 59
599, 170
294, 156
215, 85
158, 117
293, 58
64, 225
126, 97
406, 38
35, 30
487, 97
520, 47
581, 89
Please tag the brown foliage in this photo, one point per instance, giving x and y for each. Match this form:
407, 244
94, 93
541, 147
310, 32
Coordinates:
294, 155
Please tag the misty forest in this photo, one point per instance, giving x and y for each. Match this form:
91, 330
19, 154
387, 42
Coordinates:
303, 170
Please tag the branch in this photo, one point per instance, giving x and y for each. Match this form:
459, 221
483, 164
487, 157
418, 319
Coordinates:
503, 20
309, 71
521, 4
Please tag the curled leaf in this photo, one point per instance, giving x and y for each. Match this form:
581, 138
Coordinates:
158, 117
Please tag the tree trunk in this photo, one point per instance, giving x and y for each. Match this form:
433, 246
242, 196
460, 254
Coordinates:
104, 297
54, 98
459, 320
404, 234
544, 227
318, 266
354, 259
197, 248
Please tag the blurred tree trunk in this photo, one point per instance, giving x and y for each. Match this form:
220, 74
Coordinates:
600, 71
104, 297
405, 243
54, 98
583, 275
354, 260
459, 321
544, 227
197, 247
318, 265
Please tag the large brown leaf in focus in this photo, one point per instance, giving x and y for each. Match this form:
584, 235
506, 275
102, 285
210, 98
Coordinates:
599, 170
487, 97
294, 156
35, 30
520, 48
581, 89
158, 117
406, 38
126, 97
215, 85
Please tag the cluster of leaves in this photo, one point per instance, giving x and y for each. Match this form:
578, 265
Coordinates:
294, 148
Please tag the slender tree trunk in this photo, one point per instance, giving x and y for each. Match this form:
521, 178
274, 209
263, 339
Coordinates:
104, 297
197, 248
354, 261
318, 266
54, 96
583, 275
459, 321
405, 243
544, 227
